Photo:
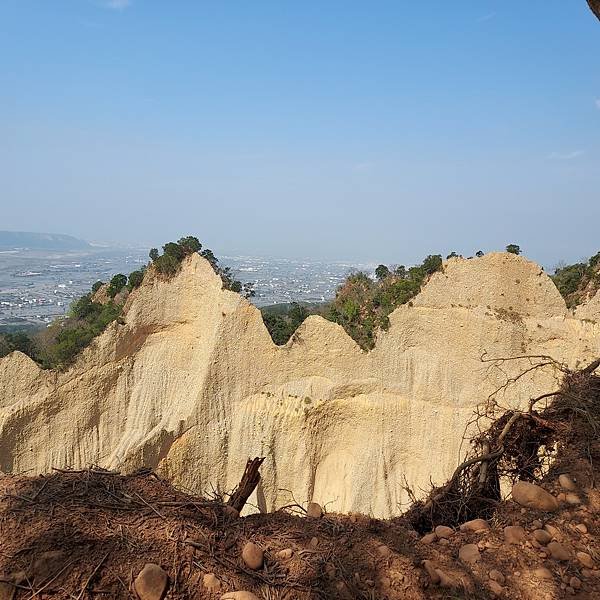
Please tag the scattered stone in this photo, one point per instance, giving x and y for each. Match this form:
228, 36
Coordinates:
514, 534
561, 497
444, 532
252, 555
585, 559
542, 573
151, 582
431, 571
383, 551
553, 531
537, 524
496, 588
497, 576
445, 580
475, 525
429, 538
444, 542
567, 483
285, 554
533, 496
542, 536
558, 551
469, 553
575, 583
572, 499
211, 582
581, 527
314, 510
314, 542
586, 573
242, 595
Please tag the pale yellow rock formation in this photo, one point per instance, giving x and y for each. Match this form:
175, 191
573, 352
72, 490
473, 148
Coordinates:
590, 309
192, 384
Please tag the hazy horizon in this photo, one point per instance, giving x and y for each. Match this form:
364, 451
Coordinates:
343, 132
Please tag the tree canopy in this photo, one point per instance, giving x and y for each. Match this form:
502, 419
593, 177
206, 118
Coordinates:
362, 305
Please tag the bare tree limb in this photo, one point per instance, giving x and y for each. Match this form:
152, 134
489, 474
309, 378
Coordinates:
249, 481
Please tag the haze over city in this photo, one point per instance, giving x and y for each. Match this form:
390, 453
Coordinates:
345, 131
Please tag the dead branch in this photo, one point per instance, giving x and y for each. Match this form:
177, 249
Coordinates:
247, 484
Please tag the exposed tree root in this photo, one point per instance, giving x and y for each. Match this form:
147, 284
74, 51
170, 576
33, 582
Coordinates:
515, 445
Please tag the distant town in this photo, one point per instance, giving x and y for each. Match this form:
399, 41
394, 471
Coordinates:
37, 286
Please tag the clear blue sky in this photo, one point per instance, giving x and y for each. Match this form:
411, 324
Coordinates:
335, 129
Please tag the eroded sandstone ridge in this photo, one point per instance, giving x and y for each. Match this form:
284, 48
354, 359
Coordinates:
191, 383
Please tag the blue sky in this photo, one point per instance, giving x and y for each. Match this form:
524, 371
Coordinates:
340, 130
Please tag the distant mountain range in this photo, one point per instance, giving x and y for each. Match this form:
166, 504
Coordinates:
12, 240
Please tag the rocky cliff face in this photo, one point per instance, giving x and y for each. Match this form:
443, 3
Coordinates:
192, 384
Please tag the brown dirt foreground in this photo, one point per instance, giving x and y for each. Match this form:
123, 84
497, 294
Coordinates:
87, 534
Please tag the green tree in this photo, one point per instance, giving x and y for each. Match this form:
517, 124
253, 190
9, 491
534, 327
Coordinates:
277, 326
362, 306
190, 244
174, 250
452, 255
569, 278
513, 249
594, 260
297, 314
432, 264
209, 256
97, 286
167, 264
84, 308
282, 325
400, 271
154, 254
381, 272
479, 253
135, 279
18, 341
117, 283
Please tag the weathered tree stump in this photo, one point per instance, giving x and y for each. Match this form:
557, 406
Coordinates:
246, 486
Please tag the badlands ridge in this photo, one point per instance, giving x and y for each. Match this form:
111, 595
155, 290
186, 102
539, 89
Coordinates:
190, 383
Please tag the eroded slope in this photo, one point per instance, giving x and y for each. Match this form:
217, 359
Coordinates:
192, 384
